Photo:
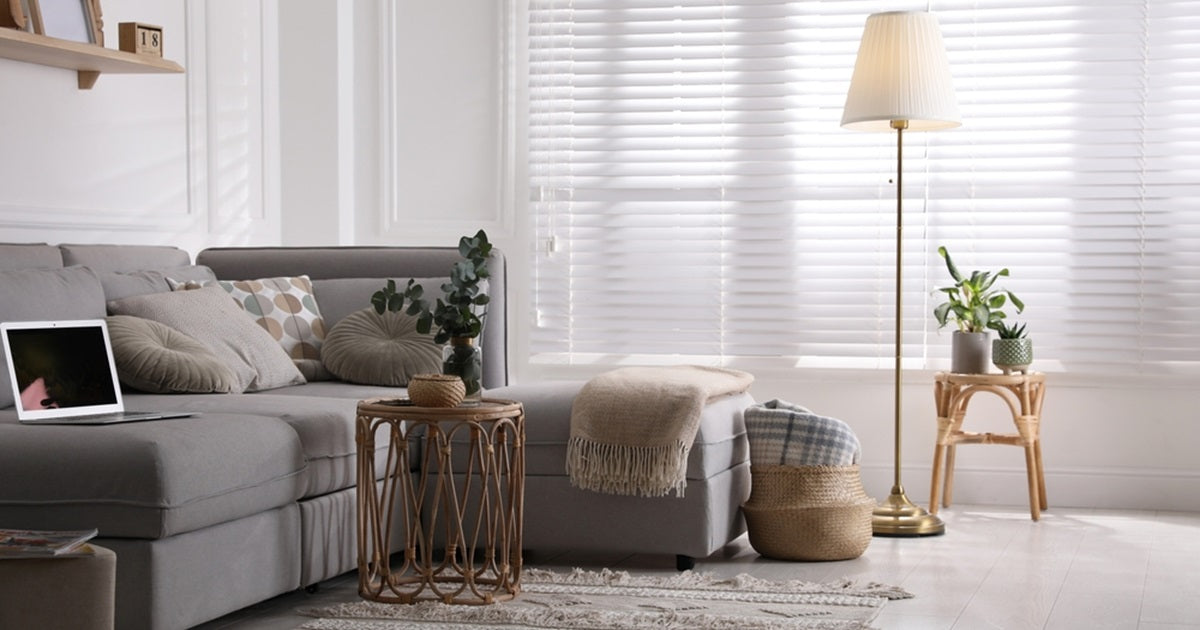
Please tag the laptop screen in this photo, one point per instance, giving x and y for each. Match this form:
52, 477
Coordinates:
61, 369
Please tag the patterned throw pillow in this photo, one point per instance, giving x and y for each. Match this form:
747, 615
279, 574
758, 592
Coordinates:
286, 308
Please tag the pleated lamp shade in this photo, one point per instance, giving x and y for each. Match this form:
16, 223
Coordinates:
901, 73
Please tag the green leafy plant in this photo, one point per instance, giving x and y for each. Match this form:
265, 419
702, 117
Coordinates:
462, 309
1011, 331
974, 303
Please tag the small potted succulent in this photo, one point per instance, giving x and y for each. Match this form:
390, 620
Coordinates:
976, 305
1013, 351
459, 315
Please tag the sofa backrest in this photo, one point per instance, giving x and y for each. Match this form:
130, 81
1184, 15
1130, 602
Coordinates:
14, 256
124, 258
345, 277
40, 281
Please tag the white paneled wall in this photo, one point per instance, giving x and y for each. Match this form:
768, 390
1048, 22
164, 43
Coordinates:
179, 159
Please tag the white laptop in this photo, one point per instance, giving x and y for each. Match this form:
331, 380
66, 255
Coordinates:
63, 373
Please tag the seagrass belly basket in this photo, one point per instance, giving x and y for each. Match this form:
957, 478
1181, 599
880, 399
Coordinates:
807, 500
808, 512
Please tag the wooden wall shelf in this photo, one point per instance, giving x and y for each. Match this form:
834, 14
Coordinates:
89, 60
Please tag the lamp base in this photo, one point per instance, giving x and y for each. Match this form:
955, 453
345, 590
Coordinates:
897, 516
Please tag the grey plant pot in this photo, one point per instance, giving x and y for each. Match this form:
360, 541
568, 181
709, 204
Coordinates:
970, 352
1012, 355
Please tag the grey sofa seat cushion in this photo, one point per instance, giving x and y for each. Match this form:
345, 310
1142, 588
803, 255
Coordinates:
39, 294
325, 428
147, 479
351, 392
720, 442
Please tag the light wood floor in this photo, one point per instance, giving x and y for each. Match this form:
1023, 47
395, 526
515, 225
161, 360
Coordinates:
994, 568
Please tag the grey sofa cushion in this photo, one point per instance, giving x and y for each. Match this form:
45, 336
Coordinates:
340, 297
38, 294
148, 479
153, 357
373, 349
123, 284
124, 257
29, 256
211, 317
324, 425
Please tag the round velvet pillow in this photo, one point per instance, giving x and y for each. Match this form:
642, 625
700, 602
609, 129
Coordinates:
153, 357
372, 349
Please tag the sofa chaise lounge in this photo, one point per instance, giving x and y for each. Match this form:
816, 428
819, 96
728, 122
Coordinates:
254, 496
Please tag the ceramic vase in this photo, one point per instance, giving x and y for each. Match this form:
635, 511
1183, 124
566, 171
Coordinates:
969, 352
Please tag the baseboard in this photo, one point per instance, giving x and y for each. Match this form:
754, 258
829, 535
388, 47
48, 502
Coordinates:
1117, 488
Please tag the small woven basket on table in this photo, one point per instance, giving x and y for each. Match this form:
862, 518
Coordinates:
436, 390
808, 512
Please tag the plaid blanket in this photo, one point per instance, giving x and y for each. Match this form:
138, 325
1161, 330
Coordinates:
785, 434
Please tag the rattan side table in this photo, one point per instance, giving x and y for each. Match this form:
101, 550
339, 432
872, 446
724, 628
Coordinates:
1023, 393
453, 475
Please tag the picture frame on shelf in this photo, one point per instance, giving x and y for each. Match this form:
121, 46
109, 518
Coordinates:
73, 20
33, 16
12, 15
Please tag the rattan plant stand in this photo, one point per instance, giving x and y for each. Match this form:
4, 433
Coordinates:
1023, 393
453, 490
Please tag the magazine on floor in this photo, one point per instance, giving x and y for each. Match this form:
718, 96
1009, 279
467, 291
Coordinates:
27, 543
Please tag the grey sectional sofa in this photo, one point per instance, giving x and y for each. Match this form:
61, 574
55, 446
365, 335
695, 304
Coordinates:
254, 495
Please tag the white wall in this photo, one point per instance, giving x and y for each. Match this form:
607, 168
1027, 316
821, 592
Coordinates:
180, 159
278, 134
393, 122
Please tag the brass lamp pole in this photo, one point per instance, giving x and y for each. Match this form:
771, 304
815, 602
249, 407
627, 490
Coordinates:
901, 82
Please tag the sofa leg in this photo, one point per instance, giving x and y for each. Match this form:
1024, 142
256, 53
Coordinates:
312, 589
684, 563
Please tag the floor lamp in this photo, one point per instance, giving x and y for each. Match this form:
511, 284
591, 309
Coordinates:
901, 82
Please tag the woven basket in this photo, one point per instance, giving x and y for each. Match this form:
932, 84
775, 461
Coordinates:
436, 390
808, 512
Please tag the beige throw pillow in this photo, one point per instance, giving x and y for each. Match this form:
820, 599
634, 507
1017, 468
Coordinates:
153, 357
372, 349
210, 317
286, 308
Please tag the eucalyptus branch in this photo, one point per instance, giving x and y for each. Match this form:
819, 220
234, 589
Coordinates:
462, 309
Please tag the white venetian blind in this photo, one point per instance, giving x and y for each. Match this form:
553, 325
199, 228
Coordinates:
695, 197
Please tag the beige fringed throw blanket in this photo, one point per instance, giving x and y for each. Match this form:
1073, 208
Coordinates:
632, 428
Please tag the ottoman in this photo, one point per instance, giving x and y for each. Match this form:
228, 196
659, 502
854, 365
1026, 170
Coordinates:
72, 593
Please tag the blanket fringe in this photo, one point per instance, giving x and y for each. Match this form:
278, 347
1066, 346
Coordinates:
627, 470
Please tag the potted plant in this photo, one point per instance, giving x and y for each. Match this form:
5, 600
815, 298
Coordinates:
1013, 351
458, 315
976, 305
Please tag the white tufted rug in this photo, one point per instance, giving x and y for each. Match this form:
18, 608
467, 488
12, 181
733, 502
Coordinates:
607, 599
